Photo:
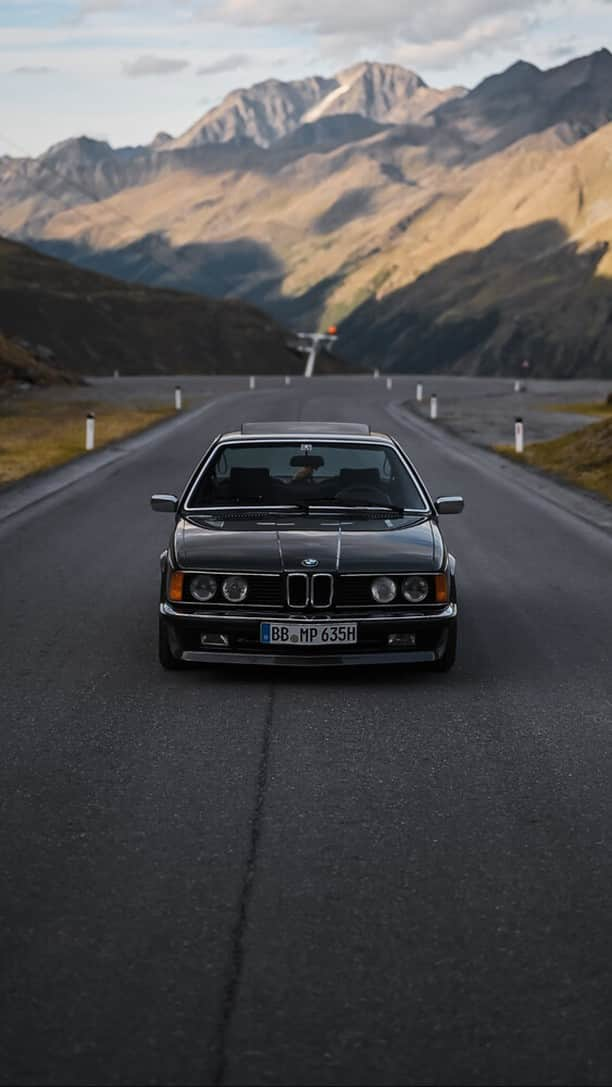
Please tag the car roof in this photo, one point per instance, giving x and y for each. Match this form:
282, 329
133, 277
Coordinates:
359, 432
303, 429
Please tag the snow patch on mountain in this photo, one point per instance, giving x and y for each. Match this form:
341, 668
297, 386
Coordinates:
321, 108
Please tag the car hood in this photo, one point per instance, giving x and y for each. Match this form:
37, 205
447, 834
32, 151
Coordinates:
359, 546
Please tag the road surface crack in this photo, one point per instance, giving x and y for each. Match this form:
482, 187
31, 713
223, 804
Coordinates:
234, 979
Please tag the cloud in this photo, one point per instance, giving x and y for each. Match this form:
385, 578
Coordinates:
87, 8
149, 65
33, 69
563, 51
229, 63
478, 39
371, 21
92, 7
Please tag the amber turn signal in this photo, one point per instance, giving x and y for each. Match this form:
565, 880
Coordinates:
175, 590
441, 584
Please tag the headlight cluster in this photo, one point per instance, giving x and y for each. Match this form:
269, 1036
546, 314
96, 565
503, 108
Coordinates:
413, 589
204, 587
235, 589
384, 590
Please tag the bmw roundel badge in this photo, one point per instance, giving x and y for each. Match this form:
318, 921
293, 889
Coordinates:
310, 563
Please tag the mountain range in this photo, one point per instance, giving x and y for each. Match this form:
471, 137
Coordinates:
443, 229
386, 93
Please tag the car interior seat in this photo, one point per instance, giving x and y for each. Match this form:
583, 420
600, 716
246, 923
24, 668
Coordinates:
359, 477
251, 485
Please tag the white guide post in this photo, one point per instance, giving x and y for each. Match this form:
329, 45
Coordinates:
519, 435
251, 382
376, 374
517, 386
178, 398
433, 406
419, 393
389, 383
116, 374
90, 431
287, 381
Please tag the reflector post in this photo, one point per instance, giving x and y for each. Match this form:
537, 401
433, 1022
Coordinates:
175, 591
441, 585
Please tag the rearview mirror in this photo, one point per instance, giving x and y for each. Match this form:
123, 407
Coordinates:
305, 461
449, 505
164, 503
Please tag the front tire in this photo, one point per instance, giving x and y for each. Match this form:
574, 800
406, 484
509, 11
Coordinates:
166, 656
447, 660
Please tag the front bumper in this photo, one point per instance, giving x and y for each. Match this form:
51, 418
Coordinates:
241, 634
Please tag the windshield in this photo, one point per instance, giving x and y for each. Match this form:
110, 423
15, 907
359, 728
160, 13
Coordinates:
306, 474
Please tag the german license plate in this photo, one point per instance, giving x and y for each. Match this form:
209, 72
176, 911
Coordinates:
308, 633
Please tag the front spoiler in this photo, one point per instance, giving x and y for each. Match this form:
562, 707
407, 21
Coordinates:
299, 660
224, 623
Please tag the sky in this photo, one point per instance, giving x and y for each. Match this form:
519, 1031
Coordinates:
124, 70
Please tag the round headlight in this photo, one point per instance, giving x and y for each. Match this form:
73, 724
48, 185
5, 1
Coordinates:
384, 590
235, 589
203, 587
415, 589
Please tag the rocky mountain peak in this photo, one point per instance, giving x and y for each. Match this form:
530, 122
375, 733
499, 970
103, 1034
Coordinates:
81, 149
376, 71
263, 113
161, 140
517, 78
273, 109
524, 100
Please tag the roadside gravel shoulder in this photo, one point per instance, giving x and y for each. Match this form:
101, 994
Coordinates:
572, 500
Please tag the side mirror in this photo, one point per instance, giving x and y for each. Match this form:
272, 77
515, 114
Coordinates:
164, 503
449, 505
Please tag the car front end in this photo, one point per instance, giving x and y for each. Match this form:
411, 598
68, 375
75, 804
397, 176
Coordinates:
309, 616
309, 550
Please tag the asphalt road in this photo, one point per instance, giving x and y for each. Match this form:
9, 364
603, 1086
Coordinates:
358, 877
481, 410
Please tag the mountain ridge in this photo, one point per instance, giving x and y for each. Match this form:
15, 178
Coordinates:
344, 215
272, 109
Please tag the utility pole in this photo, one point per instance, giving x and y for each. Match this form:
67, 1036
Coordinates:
310, 343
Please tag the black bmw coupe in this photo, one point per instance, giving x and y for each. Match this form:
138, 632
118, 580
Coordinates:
307, 544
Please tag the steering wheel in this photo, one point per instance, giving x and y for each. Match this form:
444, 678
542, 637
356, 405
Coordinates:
366, 495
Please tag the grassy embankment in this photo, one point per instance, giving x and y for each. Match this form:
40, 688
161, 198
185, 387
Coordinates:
35, 435
583, 457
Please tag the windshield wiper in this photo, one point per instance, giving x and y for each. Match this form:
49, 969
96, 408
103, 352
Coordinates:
239, 510
252, 511
378, 511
